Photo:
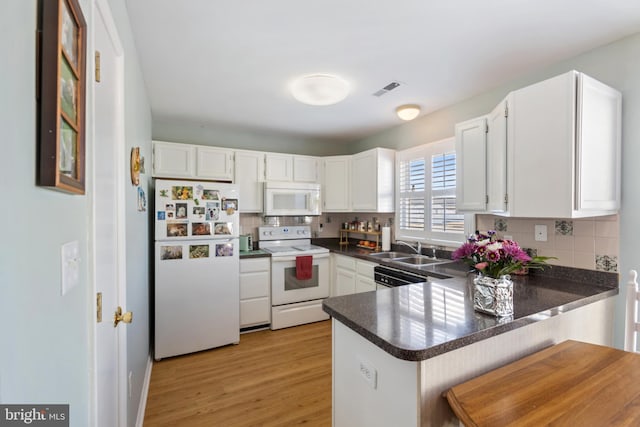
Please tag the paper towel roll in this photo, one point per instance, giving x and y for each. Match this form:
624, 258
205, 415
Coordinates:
386, 238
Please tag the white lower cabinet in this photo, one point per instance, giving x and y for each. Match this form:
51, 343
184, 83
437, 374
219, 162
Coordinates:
364, 279
345, 275
255, 292
352, 275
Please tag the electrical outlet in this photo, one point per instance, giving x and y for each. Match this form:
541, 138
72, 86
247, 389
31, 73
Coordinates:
508, 237
369, 374
540, 232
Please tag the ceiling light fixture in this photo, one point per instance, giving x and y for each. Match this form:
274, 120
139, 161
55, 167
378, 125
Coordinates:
408, 112
320, 89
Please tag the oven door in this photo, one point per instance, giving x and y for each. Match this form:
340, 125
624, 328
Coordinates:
286, 289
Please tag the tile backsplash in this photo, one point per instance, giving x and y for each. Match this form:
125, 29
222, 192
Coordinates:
331, 222
590, 243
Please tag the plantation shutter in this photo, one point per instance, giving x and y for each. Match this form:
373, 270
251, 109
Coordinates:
444, 217
426, 195
412, 178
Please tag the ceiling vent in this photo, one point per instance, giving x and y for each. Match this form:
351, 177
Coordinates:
388, 88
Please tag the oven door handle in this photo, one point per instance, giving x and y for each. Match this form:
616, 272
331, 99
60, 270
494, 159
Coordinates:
293, 258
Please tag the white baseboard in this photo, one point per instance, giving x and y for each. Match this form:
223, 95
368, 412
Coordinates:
145, 393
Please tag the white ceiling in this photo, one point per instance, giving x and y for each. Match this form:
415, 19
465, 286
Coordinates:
229, 63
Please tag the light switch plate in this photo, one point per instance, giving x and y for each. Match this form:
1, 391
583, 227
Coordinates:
70, 266
540, 232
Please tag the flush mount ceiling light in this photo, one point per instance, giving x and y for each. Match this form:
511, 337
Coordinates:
408, 112
320, 89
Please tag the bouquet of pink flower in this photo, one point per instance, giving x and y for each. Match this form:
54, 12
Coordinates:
494, 257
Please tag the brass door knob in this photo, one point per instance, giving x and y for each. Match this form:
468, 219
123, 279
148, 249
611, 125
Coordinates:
119, 316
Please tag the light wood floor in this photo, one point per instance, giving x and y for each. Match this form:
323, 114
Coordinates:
272, 378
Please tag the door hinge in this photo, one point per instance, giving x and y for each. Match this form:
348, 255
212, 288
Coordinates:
99, 307
97, 66
486, 199
506, 109
506, 199
486, 127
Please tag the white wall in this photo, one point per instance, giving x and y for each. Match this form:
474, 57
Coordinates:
45, 351
617, 64
44, 354
243, 138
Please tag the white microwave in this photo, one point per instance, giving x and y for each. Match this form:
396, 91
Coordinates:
291, 199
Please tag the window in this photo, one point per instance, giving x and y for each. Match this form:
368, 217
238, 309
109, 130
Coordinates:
426, 195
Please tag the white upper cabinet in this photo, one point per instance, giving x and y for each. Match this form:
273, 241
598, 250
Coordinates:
171, 160
336, 184
599, 144
279, 167
372, 180
563, 146
249, 173
471, 167
289, 167
214, 163
496, 160
552, 151
305, 169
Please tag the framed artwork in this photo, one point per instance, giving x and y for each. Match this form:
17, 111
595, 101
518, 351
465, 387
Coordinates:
61, 71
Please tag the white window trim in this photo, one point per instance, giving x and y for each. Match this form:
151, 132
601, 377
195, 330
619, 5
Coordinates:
424, 236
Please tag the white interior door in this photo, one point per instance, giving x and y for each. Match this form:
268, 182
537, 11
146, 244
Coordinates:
108, 221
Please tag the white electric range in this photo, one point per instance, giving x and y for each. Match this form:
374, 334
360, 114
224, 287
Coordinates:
295, 301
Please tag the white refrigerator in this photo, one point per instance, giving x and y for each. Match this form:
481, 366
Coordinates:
197, 290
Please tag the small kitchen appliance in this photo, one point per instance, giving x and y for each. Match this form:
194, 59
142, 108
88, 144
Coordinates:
291, 199
246, 242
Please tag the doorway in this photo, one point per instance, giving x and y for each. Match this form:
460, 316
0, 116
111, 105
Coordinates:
109, 221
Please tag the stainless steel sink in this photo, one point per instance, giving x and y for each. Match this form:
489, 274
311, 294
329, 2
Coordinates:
388, 255
418, 260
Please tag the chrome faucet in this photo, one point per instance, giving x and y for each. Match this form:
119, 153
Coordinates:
417, 248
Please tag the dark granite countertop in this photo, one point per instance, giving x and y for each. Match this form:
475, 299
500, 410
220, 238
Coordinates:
257, 253
419, 321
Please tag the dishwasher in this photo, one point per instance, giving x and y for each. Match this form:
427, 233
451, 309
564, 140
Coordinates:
388, 277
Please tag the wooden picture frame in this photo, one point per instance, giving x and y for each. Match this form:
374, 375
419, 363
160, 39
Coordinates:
61, 71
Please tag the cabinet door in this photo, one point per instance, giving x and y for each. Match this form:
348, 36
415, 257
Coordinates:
345, 281
171, 160
255, 291
365, 276
496, 159
305, 169
214, 163
365, 284
364, 188
336, 186
471, 166
279, 167
541, 148
249, 174
598, 147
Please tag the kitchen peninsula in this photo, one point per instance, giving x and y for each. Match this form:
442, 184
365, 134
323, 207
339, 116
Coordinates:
395, 351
